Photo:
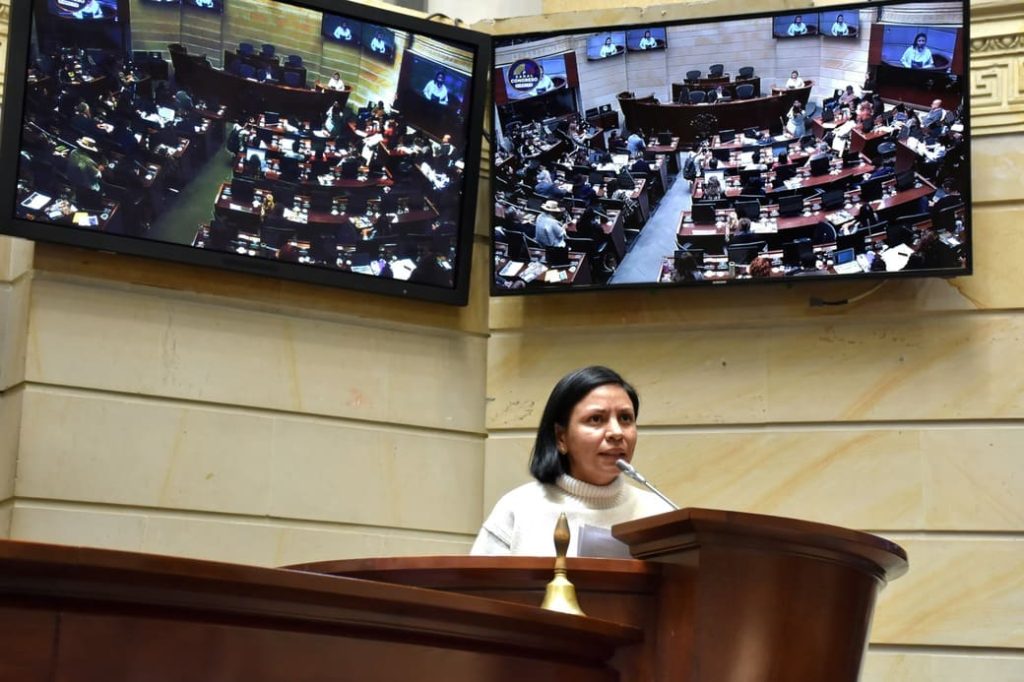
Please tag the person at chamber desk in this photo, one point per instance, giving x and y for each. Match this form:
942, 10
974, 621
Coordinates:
444, 153
847, 97
334, 118
608, 50
712, 188
797, 123
640, 165
635, 143
589, 422
546, 186
718, 94
935, 115
647, 42
435, 90
84, 175
840, 27
795, 81
335, 82
548, 229
918, 56
582, 190
798, 27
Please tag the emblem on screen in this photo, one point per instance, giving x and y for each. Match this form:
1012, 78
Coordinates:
524, 75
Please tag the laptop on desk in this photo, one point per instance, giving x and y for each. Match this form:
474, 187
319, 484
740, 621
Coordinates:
845, 262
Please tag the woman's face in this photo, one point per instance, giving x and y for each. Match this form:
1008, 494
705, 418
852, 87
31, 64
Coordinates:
839, 19
920, 41
600, 430
794, 75
608, 40
647, 34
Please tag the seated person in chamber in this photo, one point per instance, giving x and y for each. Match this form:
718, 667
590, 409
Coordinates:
589, 422
608, 49
378, 44
918, 56
546, 186
840, 27
635, 143
795, 81
718, 94
798, 27
548, 229
935, 115
435, 90
342, 31
335, 82
647, 42
848, 96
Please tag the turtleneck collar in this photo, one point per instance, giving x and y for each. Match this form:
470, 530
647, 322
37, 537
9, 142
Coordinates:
595, 496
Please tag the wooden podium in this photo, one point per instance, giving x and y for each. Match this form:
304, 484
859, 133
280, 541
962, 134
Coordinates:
718, 597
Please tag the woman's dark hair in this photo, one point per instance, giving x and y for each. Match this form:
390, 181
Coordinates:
546, 463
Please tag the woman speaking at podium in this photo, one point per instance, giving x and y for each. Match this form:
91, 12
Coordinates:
589, 422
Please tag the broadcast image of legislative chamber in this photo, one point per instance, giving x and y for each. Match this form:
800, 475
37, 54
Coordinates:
822, 144
251, 127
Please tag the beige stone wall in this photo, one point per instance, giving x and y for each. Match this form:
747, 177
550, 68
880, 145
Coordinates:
899, 415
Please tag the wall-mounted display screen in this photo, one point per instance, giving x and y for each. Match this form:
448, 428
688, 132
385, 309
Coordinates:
606, 45
206, 5
341, 29
919, 47
753, 161
839, 24
530, 77
795, 25
266, 152
379, 42
84, 10
644, 39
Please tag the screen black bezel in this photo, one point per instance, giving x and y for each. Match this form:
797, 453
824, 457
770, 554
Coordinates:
473, 41
966, 191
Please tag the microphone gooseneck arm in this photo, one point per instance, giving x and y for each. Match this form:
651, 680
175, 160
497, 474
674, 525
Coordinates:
628, 469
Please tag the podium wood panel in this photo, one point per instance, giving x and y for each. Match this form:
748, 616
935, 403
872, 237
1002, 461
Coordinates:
721, 597
85, 615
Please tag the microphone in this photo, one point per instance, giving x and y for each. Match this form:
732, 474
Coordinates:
628, 469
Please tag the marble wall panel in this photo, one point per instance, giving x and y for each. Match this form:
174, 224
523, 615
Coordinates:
938, 367
960, 591
145, 342
15, 258
255, 541
879, 479
90, 447
14, 310
954, 666
10, 434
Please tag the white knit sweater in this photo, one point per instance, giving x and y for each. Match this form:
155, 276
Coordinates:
523, 521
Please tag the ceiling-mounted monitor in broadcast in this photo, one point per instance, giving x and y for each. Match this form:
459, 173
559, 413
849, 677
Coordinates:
754, 160
281, 153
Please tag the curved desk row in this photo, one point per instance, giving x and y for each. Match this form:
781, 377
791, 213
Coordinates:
243, 95
692, 121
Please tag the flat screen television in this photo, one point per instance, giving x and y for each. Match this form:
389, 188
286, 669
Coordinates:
379, 42
928, 48
798, 25
605, 45
379, 201
84, 10
344, 30
546, 156
839, 24
645, 39
216, 6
